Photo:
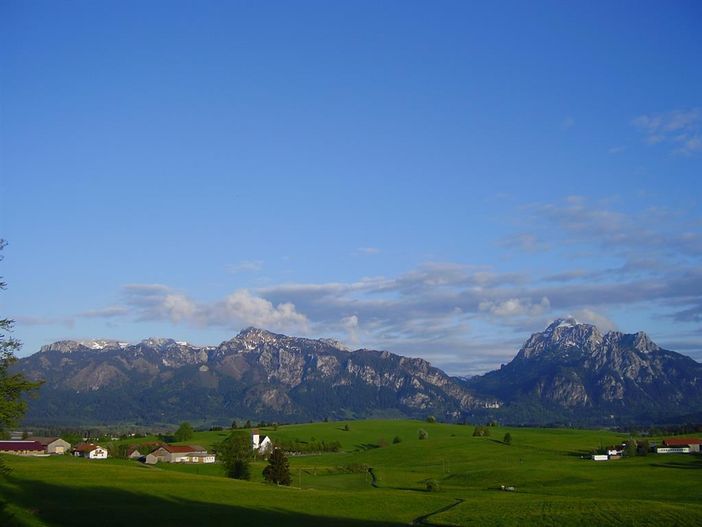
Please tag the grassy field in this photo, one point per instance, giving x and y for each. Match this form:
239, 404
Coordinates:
554, 484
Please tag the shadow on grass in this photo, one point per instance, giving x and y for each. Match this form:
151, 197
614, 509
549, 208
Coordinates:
366, 446
696, 464
584, 454
59, 505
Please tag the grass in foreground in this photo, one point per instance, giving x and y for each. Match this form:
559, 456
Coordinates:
555, 486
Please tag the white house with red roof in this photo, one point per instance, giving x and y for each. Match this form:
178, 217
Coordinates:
90, 451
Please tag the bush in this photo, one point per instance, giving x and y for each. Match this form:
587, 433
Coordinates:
432, 485
507, 440
422, 434
431, 419
396, 440
481, 431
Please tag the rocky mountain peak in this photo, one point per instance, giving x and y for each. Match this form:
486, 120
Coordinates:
69, 346
158, 343
252, 337
644, 344
560, 337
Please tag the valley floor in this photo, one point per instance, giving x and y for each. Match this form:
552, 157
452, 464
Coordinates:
555, 483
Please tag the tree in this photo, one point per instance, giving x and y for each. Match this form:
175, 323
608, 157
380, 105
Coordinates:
431, 419
481, 431
432, 485
247, 424
422, 434
235, 452
507, 440
278, 469
396, 440
12, 385
642, 448
630, 448
184, 432
234, 426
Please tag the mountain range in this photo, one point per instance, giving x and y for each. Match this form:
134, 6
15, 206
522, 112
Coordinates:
570, 373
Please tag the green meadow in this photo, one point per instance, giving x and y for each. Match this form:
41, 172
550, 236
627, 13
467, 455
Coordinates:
555, 483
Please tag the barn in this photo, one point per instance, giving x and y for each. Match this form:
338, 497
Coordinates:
22, 448
691, 443
53, 445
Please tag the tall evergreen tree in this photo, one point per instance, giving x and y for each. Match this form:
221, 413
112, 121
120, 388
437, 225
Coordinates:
278, 469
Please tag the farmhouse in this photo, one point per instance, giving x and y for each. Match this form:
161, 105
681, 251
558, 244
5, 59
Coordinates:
22, 448
53, 445
260, 443
180, 454
674, 443
90, 451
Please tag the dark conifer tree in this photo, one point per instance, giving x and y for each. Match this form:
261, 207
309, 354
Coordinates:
278, 469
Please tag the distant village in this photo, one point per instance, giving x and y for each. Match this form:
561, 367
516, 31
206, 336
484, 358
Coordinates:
672, 445
161, 452
149, 453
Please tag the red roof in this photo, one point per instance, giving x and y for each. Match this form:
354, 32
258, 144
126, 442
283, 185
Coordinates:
18, 446
181, 449
44, 440
86, 447
682, 441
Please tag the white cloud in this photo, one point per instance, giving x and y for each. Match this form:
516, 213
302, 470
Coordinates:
243, 307
513, 307
240, 308
596, 319
350, 324
679, 128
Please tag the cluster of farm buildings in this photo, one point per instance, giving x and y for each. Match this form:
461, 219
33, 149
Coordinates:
674, 445
149, 453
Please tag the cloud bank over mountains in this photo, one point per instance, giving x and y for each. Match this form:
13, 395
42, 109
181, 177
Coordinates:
451, 313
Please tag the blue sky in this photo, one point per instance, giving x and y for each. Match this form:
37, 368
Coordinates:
439, 179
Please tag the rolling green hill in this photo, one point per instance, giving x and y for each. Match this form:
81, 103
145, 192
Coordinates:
554, 484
